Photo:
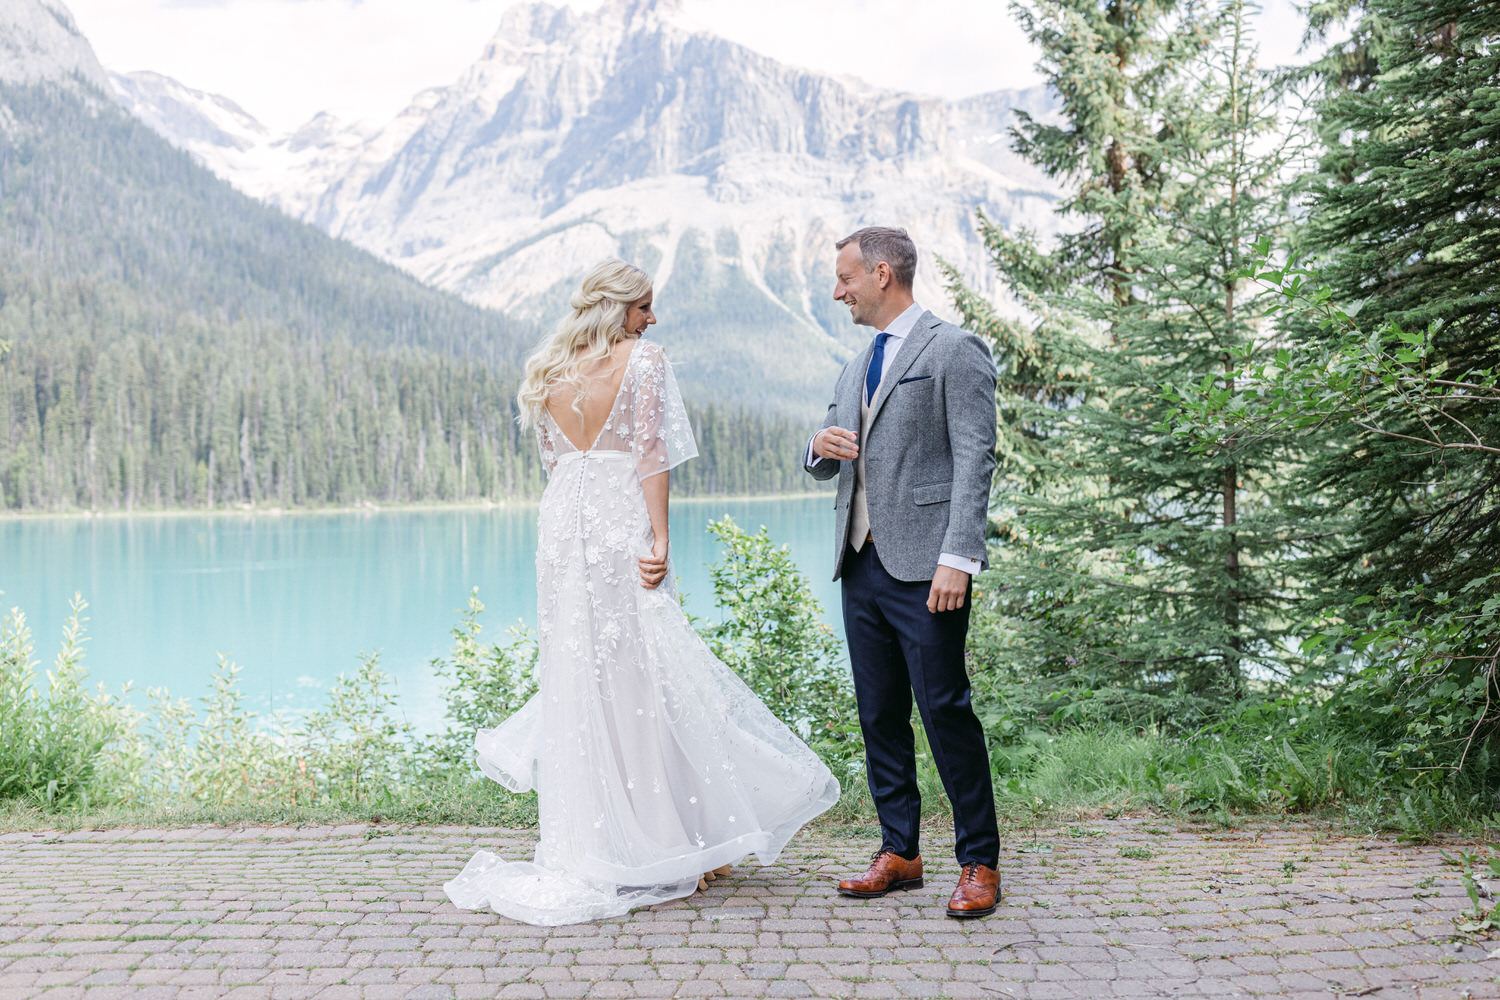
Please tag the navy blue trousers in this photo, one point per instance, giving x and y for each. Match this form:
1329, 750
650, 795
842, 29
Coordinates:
897, 648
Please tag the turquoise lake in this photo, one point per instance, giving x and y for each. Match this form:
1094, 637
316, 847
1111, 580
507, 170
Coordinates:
296, 598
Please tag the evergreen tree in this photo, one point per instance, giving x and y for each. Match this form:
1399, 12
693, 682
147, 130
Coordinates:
1128, 559
1404, 223
1395, 337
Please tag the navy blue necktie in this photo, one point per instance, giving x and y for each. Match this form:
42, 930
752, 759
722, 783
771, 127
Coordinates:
877, 365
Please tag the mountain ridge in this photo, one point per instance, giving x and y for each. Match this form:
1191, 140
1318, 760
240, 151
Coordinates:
631, 132
171, 343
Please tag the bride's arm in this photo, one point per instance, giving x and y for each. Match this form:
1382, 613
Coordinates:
662, 437
654, 566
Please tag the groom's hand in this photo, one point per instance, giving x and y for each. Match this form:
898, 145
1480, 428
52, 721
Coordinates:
949, 586
836, 442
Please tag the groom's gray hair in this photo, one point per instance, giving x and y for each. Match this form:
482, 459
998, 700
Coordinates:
882, 243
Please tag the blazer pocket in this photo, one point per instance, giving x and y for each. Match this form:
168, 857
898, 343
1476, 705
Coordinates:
933, 493
913, 378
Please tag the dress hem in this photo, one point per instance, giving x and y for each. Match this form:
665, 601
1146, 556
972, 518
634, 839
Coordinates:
662, 882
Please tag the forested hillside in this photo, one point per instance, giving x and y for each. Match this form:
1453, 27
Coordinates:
174, 343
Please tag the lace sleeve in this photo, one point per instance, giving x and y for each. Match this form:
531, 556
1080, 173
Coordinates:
663, 438
545, 444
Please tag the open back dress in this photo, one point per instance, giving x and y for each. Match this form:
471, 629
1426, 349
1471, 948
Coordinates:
652, 761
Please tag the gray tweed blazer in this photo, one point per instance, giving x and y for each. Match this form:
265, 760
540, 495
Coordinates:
929, 454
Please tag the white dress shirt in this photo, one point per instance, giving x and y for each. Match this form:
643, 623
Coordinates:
898, 330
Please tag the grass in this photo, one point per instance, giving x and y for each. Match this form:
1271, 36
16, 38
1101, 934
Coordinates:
1068, 779
469, 804
502, 810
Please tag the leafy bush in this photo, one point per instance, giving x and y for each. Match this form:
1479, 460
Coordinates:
772, 635
356, 751
484, 684
51, 742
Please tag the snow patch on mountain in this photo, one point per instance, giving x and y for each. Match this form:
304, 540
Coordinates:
631, 131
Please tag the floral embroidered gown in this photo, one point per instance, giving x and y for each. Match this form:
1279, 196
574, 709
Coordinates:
652, 761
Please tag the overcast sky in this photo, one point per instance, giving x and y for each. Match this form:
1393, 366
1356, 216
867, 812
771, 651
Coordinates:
285, 60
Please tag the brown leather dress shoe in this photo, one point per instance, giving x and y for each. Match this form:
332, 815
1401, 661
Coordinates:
977, 893
888, 872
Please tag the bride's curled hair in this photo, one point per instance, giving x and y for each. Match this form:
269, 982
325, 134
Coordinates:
586, 335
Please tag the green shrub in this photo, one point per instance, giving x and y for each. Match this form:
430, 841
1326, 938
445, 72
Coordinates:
772, 635
482, 685
51, 741
354, 750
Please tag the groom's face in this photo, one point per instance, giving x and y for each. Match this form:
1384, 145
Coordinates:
860, 288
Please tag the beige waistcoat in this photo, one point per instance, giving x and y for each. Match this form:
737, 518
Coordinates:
859, 508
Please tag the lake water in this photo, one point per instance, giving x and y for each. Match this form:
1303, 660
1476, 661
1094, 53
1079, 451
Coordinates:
296, 598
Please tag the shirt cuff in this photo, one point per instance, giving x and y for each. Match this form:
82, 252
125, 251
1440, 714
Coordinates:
969, 566
810, 460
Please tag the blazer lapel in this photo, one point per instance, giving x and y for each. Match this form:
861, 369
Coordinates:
924, 330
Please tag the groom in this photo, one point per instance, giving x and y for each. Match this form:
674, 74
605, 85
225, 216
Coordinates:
911, 436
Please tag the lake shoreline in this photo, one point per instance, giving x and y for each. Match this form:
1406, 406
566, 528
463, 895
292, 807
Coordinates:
297, 600
361, 508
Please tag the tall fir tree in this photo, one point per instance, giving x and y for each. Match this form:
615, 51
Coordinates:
1404, 222
1127, 560
1393, 343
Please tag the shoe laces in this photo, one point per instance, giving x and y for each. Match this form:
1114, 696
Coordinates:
970, 874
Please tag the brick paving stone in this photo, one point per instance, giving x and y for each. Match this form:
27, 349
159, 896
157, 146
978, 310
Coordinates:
337, 913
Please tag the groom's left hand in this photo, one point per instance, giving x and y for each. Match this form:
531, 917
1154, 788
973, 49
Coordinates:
949, 587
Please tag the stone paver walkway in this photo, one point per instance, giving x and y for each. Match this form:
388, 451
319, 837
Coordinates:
1130, 908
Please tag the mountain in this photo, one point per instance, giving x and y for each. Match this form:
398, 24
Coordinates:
131, 210
39, 41
631, 131
236, 147
167, 341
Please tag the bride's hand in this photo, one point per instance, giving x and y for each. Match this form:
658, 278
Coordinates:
654, 566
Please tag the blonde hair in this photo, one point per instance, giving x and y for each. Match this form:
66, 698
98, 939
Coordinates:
587, 334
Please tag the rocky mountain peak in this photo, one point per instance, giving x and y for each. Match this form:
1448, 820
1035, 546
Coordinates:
40, 43
548, 23
193, 116
629, 131
635, 90
529, 25
318, 130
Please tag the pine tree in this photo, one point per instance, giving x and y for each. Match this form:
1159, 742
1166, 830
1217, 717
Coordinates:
1404, 225
1404, 222
1127, 559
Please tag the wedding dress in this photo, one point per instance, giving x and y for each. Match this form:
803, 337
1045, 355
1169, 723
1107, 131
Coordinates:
652, 760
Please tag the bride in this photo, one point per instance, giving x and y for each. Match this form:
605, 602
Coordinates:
653, 763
